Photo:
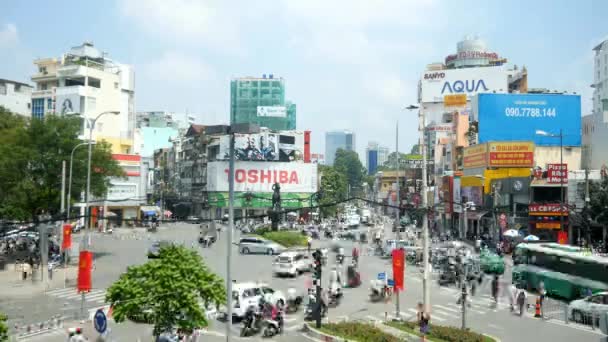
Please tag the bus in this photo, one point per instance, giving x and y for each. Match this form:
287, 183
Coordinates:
568, 272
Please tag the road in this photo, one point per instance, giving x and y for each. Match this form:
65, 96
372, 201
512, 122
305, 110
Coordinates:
114, 253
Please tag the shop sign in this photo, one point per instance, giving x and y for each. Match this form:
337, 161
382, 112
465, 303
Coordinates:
475, 156
455, 100
511, 154
547, 225
551, 209
557, 173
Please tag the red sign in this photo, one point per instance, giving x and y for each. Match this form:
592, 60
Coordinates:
562, 238
67, 236
85, 265
550, 209
557, 173
398, 268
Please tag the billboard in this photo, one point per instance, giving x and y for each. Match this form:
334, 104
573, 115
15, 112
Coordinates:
511, 154
261, 200
517, 117
457, 197
259, 176
472, 194
557, 173
265, 146
475, 156
66, 104
272, 111
434, 85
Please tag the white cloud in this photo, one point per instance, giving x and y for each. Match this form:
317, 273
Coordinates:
8, 35
193, 22
176, 67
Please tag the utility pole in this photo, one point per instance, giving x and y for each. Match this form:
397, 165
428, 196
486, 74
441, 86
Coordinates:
425, 224
398, 220
463, 281
229, 239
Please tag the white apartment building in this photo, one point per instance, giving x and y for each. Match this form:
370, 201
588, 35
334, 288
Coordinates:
85, 82
595, 126
16, 97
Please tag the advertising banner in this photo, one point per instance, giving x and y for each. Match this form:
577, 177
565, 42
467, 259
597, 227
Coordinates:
557, 173
398, 268
272, 111
517, 117
457, 197
261, 200
260, 176
456, 100
121, 191
475, 156
511, 154
85, 265
264, 146
547, 225
473, 194
67, 237
66, 104
550, 209
434, 85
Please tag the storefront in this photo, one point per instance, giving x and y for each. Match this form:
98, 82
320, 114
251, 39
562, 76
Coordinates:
546, 220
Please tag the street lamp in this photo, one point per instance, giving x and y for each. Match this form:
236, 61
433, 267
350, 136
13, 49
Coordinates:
70, 178
561, 178
90, 143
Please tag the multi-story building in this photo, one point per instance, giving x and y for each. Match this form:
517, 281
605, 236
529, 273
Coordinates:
193, 170
163, 119
261, 101
376, 155
85, 82
335, 140
595, 126
16, 97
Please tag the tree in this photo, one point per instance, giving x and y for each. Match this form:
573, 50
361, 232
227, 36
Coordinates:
333, 187
168, 291
598, 208
31, 154
348, 163
3, 328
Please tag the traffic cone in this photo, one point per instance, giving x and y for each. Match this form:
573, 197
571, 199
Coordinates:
537, 308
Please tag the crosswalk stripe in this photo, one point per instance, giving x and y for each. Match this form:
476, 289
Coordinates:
415, 279
96, 296
59, 292
446, 308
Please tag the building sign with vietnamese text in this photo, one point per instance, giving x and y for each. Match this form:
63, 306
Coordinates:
550, 209
557, 173
475, 156
511, 154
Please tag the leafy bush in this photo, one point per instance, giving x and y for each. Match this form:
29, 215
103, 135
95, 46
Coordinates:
261, 231
361, 332
287, 239
441, 333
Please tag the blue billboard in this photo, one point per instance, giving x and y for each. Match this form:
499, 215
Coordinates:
372, 161
517, 117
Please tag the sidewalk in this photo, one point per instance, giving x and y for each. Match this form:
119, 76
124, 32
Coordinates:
12, 284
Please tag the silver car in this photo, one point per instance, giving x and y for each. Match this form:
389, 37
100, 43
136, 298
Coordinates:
582, 310
254, 244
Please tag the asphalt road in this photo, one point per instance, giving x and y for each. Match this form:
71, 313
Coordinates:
116, 252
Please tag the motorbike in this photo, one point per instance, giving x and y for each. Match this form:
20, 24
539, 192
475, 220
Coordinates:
340, 259
335, 295
447, 277
274, 325
378, 291
252, 323
353, 278
309, 313
293, 301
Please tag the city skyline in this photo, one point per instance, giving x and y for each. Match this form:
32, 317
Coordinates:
341, 72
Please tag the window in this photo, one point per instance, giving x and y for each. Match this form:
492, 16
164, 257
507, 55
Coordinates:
49, 105
43, 86
94, 82
38, 108
42, 70
115, 85
2, 89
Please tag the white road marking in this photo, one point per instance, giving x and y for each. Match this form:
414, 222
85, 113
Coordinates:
446, 308
433, 316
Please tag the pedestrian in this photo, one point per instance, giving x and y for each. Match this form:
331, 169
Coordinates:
495, 289
473, 287
543, 293
355, 256
50, 271
309, 243
423, 319
521, 300
512, 296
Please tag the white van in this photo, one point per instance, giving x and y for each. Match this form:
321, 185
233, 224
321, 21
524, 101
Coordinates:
248, 294
292, 263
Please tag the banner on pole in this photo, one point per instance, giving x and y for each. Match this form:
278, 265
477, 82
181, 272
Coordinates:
85, 265
67, 237
398, 268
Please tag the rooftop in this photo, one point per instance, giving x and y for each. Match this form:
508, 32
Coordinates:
2, 80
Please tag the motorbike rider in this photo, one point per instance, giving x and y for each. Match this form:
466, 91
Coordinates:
355, 255
292, 298
340, 256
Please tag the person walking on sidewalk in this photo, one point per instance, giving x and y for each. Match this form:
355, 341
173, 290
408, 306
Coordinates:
521, 300
495, 289
423, 319
543, 293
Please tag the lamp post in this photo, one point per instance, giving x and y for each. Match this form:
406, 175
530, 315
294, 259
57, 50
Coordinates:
69, 197
90, 143
561, 178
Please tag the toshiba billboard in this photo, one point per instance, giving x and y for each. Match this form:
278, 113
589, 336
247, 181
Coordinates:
436, 84
260, 176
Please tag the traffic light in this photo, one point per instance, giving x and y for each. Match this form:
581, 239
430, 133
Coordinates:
317, 255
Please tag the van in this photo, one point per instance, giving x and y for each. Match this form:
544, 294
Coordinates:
245, 295
292, 263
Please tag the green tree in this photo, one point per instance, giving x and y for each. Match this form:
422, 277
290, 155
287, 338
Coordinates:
334, 187
31, 154
3, 328
348, 163
598, 208
171, 291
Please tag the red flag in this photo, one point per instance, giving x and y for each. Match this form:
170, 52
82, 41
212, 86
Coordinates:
67, 236
85, 265
398, 268
562, 238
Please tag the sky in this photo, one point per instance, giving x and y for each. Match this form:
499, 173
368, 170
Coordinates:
347, 64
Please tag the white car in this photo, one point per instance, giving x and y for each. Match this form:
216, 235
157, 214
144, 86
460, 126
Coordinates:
292, 263
582, 310
245, 295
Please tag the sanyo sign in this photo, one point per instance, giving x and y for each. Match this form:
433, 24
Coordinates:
435, 84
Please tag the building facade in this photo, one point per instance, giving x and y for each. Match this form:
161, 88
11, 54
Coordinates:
85, 82
261, 101
375, 155
16, 97
162, 119
335, 140
595, 127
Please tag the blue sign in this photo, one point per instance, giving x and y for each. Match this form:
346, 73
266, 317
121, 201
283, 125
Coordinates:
381, 276
100, 321
517, 117
391, 282
466, 86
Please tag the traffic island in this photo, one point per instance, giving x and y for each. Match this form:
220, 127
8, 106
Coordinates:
438, 333
351, 332
284, 238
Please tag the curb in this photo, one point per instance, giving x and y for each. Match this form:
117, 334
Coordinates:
318, 335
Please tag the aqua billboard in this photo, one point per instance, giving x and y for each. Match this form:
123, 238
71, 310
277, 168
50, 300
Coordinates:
518, 117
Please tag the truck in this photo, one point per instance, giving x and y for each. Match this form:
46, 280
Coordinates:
366, 216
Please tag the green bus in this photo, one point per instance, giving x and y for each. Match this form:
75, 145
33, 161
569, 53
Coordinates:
567, 271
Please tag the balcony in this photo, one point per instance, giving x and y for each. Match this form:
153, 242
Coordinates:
42, 93
77, 90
